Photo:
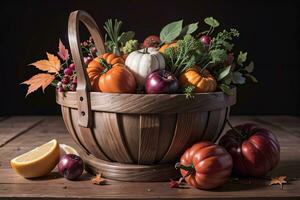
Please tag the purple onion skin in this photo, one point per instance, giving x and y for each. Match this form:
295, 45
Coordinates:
70, 166
161, 82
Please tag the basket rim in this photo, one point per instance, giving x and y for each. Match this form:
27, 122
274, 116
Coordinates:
142, 94
150, 103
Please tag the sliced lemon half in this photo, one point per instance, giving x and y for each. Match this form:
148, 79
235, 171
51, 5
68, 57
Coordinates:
37, 162
66, 149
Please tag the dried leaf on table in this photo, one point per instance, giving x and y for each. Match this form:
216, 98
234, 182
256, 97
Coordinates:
52, 65
62, 51
280, 180
173, 184
98, 180
37, 81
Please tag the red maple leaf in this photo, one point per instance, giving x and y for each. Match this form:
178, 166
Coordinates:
62, 51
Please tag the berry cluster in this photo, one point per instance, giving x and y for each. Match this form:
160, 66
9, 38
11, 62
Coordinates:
69, 80
68, 75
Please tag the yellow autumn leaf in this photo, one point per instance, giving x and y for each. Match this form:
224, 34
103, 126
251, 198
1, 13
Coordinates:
37, 81
52, 65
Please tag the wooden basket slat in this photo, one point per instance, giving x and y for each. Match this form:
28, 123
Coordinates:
222, 122
167, 129
215, 119
86, 137
66, 113
183, 133
110, 137
148, 139
131, 123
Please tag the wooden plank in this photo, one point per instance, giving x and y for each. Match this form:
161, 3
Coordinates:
12, 127
13, 186
53, 187
3, 118
289, 123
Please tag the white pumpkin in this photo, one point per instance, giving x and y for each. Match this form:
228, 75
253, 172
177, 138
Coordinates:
144, 61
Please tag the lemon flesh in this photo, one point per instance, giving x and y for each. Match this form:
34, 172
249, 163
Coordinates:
37, 162
66, 149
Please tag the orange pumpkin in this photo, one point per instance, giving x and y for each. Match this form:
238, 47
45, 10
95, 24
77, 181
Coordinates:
108, 73
165, 46
203, 82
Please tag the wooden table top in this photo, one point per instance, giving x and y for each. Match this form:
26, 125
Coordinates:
20, 134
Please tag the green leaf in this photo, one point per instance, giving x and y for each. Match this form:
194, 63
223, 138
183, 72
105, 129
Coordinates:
242, 58
171, 31
211, 22
218, 56
189, 29
188, 91
228, 79
249, 68
224, 73
238, 78
126, 36
228, 46
226, 89
252, 78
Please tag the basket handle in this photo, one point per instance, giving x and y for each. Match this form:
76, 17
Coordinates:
83, 85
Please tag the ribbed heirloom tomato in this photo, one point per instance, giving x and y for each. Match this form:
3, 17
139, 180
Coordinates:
255, 151
205, 165
108, 73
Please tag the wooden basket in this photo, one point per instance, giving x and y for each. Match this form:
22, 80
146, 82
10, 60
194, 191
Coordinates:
135, 137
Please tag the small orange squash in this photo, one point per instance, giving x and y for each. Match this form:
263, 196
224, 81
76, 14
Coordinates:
203, 82
108, 73
165, 46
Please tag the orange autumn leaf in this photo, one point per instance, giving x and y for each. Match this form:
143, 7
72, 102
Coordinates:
52, 65
98, 180
37, 81
280, 180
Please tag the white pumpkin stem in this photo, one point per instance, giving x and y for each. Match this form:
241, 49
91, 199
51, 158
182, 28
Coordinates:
145, 51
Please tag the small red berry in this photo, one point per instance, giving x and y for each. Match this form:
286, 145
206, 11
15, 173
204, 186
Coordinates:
68, 71
87, 60
205, 39
72, 66
73, 87
65, 79
94, 50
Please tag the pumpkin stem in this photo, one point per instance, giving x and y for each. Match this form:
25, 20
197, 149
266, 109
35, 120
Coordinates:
105, 65
190, 169
145, 50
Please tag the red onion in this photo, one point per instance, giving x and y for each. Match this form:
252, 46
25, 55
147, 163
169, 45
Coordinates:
161, 81
70, 166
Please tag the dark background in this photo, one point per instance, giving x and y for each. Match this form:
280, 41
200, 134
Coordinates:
269, 32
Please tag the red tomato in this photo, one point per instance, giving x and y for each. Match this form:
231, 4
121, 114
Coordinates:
205, 165
255, 151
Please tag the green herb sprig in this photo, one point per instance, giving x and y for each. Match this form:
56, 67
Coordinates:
184, 55
114, 41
